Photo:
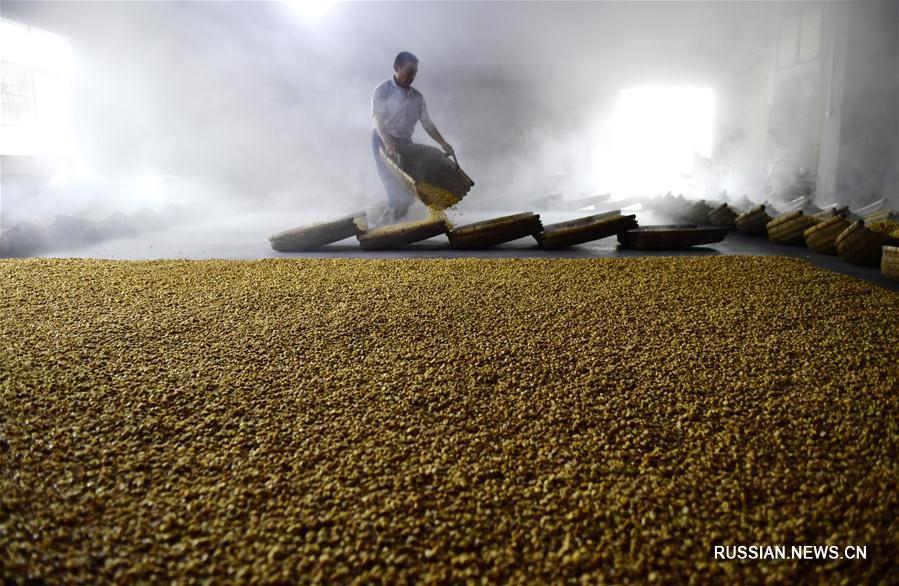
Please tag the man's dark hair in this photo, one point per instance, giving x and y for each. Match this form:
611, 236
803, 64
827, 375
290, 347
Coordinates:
403, 58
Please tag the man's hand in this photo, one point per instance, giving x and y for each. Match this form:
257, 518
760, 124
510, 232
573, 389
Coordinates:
448, 149
390, 147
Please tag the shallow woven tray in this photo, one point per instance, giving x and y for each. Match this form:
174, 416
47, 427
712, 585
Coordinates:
889, 262
822, 237
804, 203
788, 228
670, 237
880, 216
315, 235
723, 216
495, 231
831, 212
398, 235
586, 229
429, 175
860, 246
868, 209
753, 222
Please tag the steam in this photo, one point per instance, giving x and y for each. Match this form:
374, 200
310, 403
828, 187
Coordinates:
255, 106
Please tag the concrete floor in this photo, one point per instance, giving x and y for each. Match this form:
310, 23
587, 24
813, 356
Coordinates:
245, 237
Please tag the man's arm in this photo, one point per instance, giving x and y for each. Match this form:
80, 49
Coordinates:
432, 131
389, 145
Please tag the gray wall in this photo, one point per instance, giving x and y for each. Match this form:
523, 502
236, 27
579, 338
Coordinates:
860, 142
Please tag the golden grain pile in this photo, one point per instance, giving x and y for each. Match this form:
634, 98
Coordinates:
437, 198
884, 227
444, 420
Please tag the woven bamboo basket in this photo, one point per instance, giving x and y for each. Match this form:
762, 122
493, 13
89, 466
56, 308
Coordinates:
803, 202
881, 216
810, 209
867, 210
889, 262
586, 229
753, 222
398, 235
831, 213
860, 246
429, 174
789, 228
315, 236
822, 237
723, 216
495, 231
670, 237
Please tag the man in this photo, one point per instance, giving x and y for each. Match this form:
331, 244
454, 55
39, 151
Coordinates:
396, 107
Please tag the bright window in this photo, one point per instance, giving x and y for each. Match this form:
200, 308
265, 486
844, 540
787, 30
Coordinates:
660, 135
36, 68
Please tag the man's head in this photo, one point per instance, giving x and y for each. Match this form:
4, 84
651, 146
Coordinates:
405, 66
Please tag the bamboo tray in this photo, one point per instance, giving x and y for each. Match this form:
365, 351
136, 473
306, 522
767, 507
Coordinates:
723, 216
804, 203
695, 212
867, 210
790, 227
495, 231
860, 246
753, 222
587, 229
316, 235
426, 172
831, 212
880, 216
822, 237
889, 262
398, 235
670, 237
